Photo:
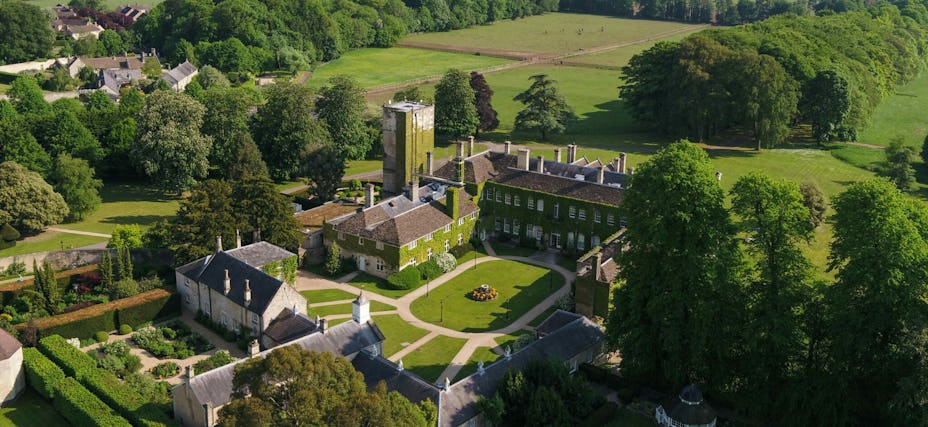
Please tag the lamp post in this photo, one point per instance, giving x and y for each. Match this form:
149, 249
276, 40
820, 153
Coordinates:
475, 258
508, 308
442, 312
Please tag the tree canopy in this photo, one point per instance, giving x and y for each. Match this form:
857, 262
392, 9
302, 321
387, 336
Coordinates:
284, 128
483, 95
74, 179
341, 107
27, 202
455, 113
25, 33
546, 110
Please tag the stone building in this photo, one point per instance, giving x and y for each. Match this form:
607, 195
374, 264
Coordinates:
596, 272
408, 133
241, 288
12, 375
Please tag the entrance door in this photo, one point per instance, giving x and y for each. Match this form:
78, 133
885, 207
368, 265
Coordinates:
362, 263
555, 240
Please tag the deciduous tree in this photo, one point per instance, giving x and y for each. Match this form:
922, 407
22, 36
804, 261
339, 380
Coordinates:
226, 121
341, 107
455, 114
20, 146
25, 33
325, 168
204, 215
74, 180
546, 110
284, 127
814, 201
26, 95
899, 164
827, 103
27, 202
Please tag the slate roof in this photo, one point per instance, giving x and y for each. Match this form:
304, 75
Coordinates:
399, 220
411, 386
561, 179
8, 345
114, 62
178, 73
459, 403
260, 254
115, 79
288, 327
689, 408
344, 339
555, 321
211, 270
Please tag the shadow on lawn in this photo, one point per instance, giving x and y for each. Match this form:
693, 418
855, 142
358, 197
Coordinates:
134, 192
134, 219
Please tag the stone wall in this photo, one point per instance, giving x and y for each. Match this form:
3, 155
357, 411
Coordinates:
65, 260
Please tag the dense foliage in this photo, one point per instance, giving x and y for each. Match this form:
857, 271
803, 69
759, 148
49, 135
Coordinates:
24, 32
830, 71
27, 202
43, 374
455, 112
407, 278
546, 110
81, 407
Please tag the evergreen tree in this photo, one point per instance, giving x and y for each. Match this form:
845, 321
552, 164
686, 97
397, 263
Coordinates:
483, 95
248, 162
546, 110
325, 168
455, 114
258, 206
123, 263
106, 271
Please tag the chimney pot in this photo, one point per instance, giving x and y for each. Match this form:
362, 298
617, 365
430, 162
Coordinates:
522, 161
571, 153
238, 239
218, 244
460, 148
601, 175
226, 284
322, 325
557, 155
540, 167
369, 194
508, 147
190, 373
254, 348
622, 162
247, 292
470, 146
597, 265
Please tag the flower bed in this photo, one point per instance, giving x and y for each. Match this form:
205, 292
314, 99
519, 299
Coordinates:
483, 293
174, 340
165, 370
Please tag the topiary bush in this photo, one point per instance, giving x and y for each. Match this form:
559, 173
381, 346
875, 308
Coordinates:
41, 373
407, 278
461, 250
125, 329
101, 336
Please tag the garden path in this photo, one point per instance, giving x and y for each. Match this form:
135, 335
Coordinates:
83, 233
308, 281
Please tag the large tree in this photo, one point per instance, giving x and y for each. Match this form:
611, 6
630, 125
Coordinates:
74, 179
169, 146
26, 96
899, 168
483, 95
678, 311
341, 106
226, 121
60, 131
258, 206
27, 202
25, 33
325, 168
296, 387
878, 303
826, 100
204, 215
455, 114
20, 146
546, 110
284, 127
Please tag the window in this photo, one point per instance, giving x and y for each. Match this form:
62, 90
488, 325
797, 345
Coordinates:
496, 224
572, 212
581, 243
428, 237
610, 219
461, 221
380, 245
538, 232
447, 245
531, 203
515, 227
506, 225
460, 239
225, 320
515, 201
341, 236
413, 261
508, 199
448, 228
581, 214
597, 217
360, 241
595, 240
528, 230
379, 264
429, 254
570, 239
541, 205
557, 208
473, 216
413, 244
254, 322
489, 194
499, 196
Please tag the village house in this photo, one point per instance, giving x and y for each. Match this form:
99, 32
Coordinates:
180, 76
69, 23
127, 15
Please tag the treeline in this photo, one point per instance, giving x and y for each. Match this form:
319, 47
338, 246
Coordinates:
252, 35
828, 71
734, 305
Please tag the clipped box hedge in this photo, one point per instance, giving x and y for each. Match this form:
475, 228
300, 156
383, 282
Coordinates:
82, 408
41, 373
148, 307
73, 361
124, 399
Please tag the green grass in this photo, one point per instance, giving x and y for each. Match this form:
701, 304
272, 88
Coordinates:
330, 310
901, 115
521, 287
50, 241
479, 252
30, 410
127, 203
398, 333
4, 88
362, 166
326, 295
377, 285
430, 360
619, 57
485, 354
374, 67
281, 186
551, 33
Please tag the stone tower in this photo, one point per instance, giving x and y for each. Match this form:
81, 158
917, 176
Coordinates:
408, 133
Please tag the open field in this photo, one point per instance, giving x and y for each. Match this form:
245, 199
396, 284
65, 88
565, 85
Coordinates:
376, 67
127, 203
430, 360
29, 410
398, 333
550, 33
619, 57
521, 287
901, 115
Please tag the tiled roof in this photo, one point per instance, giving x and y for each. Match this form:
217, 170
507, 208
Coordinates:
411, 386
211, 270
8, 345
289, 326
178, 73
556, 321
114, 62
260, 254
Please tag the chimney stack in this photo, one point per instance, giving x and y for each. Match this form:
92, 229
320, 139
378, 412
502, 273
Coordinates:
460, 151
470, 146
218, 244
447, 383
429, 165
540, 167
622, 164
254, 348
508, 145
571, 153
601, 175
557, 155
399, 366
190, 373
597, 265
480, 368
522, 160
321, 325
247, 292
508, 354
238, 239
226, 284
369, 194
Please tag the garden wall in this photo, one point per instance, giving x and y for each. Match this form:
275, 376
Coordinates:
62, 260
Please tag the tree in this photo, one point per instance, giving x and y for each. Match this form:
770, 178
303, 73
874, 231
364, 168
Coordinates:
126, 236
26, 95
209, 77
676, 313
111, 43
284, 389
827, 102
204, 215
27, 202
226, 121
106, 271
783, 276
228, 55
880, 256
412, 93
247, 162
325, 168
770, 98
45, 287
924, 153
539, 395
284, 127
486, 115
24, 32
333, 260
86, 4
61, 132
899, 164
546, 110
169, 146
74, 180
814, 200
20, 146
455, 114
258, 206
341, 107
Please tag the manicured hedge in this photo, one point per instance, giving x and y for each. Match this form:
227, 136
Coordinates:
407, 278
123, 398
41, 373
83, 327
150, 306
82, 408
73, 361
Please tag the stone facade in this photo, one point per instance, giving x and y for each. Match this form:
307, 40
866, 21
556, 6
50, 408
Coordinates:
408, 133
12, 375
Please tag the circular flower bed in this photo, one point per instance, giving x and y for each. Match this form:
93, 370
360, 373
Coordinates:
484, 293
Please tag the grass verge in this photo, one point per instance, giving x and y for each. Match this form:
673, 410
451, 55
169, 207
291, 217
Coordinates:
430, 360
398, 333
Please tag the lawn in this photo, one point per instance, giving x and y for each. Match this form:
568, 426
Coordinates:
485, 354
326, 295
374, 67
901, 115
430, 360
521, 287
377, 285
398, 333
127, 203
355, 167
551, 33
330, 310
620, 56
508, 249
281, 186
50, 241
30, 410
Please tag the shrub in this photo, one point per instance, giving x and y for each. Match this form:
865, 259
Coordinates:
164, 370
407, 278
461, 250
150, 306
70, 359
101, 336
82, 408
16, 268
125, 329
354, 184
9, 234
221, 358
430, 270
41, 373
115, 357
446, 262
333, 261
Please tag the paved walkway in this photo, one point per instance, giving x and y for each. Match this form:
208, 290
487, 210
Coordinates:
308, 281
83, 233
